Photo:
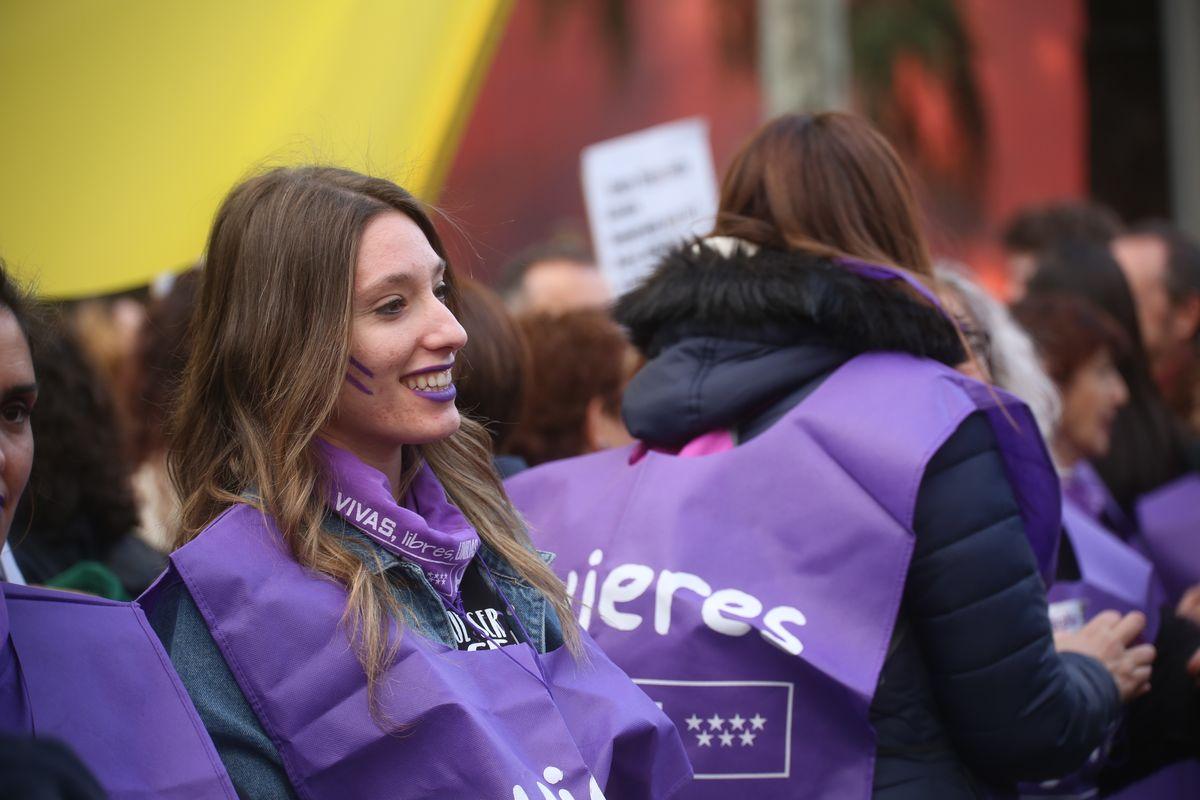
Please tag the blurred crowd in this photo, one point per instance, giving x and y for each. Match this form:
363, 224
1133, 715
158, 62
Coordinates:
1099, 337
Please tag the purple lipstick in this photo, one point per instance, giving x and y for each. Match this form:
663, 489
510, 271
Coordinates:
439, 390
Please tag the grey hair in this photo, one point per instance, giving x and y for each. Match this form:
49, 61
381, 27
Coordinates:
1013, 360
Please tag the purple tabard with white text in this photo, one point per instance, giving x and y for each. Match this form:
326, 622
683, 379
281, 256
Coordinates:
753, 592
91, 673
504, 723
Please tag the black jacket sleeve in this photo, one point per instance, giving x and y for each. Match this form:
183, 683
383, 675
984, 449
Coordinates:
1012, 707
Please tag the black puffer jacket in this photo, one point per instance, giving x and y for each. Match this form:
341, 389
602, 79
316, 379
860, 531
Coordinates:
972, 693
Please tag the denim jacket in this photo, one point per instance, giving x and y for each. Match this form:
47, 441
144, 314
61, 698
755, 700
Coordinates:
249, 755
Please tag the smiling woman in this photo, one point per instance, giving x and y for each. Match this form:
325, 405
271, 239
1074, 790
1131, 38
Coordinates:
349, 564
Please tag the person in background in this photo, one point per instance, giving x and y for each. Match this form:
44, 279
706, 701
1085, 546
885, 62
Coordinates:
354, 605
820, 501
1097, 570
491, 370
580, 362
1149, 450
76, 526
1162, 266
1034, 229
1004, 354
160, 355
107, 330
79, 670
553, 278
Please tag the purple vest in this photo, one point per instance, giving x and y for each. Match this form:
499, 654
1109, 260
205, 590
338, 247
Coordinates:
463, 724
91, 673
1169, 520
753, 592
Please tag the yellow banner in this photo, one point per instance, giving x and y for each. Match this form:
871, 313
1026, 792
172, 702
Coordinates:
124, 123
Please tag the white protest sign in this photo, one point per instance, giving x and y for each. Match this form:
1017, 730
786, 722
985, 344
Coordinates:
645, 193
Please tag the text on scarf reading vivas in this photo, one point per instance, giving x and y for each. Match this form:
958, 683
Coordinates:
367, 517
728, 611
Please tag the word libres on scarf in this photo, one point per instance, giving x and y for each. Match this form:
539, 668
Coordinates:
386, 526
726, 611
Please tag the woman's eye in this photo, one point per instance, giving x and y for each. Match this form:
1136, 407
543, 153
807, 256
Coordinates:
441, 291
15, 413
391, 307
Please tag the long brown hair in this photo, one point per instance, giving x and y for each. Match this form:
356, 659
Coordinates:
271, 339
827, 184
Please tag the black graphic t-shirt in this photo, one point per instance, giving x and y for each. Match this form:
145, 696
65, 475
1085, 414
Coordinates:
485, 608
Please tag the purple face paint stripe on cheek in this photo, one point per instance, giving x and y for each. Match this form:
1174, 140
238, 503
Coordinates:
357, 384
354, 362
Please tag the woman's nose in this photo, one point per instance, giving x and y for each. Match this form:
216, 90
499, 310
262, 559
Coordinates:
445, 332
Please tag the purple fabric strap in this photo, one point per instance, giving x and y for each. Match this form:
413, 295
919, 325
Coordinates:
1169, 520
92, 674
882, 272
427, 530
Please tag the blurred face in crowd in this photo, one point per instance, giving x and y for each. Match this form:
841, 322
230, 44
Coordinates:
398, 387
1021, 266
558, 286
18, 391
1143, 259
1090, 399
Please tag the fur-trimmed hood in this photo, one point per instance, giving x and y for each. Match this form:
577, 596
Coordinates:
734, 339
704, 290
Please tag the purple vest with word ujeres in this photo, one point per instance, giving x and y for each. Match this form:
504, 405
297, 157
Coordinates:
486, 724
753, 592
91, 673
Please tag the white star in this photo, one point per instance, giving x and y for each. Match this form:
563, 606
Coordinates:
705, 739
747, 739
736, 722
757, 722
715, 722
726, 739
693, 722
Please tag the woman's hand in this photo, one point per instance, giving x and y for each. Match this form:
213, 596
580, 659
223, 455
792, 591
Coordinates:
1189, 605
1106, 638
1189, 609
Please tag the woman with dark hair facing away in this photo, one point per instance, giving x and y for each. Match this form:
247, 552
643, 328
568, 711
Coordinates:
82, 671
491, 370
354, 605
825, 559
1097, 570
582, 361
